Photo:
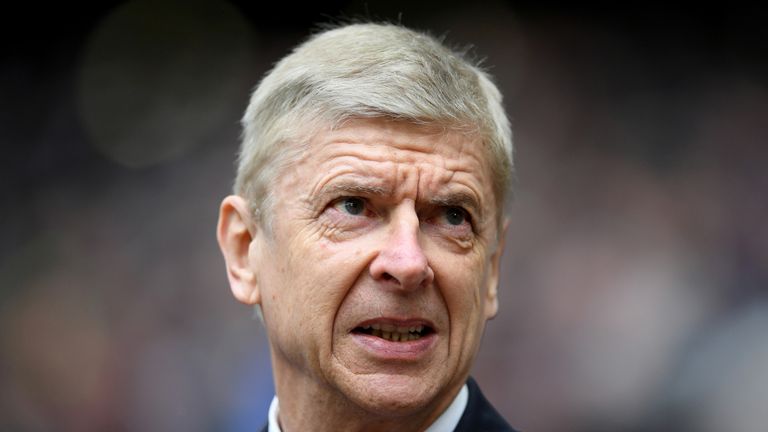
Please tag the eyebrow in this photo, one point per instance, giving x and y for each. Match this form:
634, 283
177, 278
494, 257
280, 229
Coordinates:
354, 188
450, 199
457, 199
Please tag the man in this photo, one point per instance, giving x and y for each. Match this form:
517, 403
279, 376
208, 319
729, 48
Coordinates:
367, 228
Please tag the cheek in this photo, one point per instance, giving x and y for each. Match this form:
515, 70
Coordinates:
296, 314
310, 288
464, 273
462, 282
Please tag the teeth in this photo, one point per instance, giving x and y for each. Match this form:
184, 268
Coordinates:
394, 333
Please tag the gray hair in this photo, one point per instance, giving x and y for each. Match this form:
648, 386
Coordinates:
366, 71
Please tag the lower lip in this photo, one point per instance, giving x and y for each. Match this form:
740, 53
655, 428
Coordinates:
396, 351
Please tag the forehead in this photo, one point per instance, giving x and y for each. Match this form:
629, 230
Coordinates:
398, 141
391, 160
380, 145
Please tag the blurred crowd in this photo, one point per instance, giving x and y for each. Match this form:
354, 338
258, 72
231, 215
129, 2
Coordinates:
633, 292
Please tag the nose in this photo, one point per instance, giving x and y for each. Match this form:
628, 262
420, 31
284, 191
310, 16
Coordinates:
401, 262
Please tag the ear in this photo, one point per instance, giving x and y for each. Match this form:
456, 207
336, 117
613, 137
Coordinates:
491, 295
235, 232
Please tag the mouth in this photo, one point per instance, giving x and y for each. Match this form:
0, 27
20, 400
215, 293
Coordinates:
394, 333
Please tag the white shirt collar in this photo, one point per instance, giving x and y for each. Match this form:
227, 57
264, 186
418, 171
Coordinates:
445, 423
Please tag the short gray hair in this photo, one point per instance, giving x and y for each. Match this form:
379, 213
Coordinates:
367, 71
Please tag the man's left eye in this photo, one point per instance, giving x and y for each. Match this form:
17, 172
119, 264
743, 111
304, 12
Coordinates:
352, 205
456, 215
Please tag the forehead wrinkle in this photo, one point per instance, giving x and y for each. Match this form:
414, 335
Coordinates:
398, 161
336, 158
393, 145
464, 177
399, 134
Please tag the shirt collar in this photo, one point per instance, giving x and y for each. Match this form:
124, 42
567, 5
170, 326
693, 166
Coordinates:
445, 423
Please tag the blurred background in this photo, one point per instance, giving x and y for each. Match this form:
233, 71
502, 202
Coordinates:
633, 294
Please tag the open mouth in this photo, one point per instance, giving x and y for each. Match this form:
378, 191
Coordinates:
394, 333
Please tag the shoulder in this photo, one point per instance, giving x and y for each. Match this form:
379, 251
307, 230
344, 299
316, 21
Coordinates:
480, 415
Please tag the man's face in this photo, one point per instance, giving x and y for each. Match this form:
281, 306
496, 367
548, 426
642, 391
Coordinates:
381, 268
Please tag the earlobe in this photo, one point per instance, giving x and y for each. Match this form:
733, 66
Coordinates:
491, 295
235, 232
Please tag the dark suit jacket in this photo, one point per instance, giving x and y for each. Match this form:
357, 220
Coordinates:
479, 416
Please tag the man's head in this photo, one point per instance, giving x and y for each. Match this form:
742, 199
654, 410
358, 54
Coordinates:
367, 220
366, 71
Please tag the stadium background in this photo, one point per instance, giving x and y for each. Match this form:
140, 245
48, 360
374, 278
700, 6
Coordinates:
633, 294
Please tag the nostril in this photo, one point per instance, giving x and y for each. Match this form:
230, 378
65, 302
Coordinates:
387, 276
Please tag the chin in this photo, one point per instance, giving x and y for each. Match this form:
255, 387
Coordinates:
394, 395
